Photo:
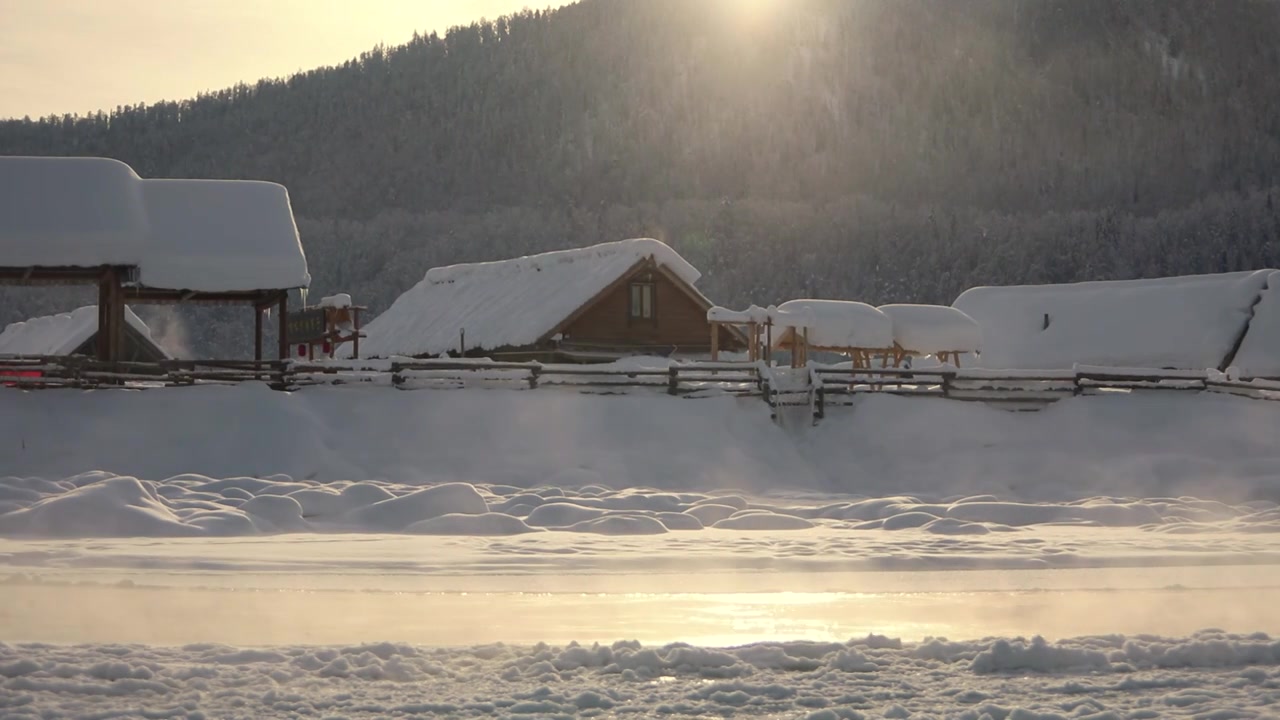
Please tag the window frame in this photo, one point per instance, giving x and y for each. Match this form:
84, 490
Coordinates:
642, 283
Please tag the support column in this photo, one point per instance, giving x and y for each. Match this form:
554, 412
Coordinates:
110, 343
284, 326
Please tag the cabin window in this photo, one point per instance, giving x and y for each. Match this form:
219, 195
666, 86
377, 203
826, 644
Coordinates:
642, 309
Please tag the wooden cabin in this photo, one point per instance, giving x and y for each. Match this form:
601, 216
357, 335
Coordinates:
76, 333
593, 304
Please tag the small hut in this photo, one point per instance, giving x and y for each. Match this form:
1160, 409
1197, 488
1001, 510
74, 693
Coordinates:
76, 333
94, 221
592, 304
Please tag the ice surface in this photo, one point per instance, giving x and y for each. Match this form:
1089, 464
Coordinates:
59, 334
1188, 322
510, 302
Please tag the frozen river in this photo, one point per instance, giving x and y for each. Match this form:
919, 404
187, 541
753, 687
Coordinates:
113, 607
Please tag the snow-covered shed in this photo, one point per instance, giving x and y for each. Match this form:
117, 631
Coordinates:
628, 297
94, 221
75, 333
1192, 322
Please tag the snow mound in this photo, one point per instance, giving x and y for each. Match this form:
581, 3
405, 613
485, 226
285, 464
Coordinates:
116, 507
762, 520
1038, 656
620, 525
398, 513
1190, 322
482, 524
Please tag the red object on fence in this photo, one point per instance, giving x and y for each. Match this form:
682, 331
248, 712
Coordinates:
302, 351
21, 374
326, 348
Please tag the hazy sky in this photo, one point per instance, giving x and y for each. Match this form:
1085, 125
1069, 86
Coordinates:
78, 56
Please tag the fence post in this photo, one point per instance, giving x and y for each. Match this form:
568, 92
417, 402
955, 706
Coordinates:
947, 378
533, 378
673, 380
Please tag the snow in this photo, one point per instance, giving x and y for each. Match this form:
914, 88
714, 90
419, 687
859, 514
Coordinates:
1210, 674
1259, 353
368, 552
836, 323
753, 314
70, 212
200, 235
1190, 322
930, 329
508, 303
59, 334
341, 300
221, 236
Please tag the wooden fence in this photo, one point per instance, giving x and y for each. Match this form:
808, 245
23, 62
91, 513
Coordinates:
818, 387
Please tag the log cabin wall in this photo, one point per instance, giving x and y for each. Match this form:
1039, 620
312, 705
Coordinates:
677, 319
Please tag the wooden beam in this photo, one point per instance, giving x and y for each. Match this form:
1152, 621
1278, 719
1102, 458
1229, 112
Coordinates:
715, 342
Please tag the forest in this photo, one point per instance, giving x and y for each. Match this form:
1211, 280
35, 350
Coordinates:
878, 150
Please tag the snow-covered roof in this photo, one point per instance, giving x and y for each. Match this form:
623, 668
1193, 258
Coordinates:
509, 303
836, 323
753, 314
933, 328
1259, 353
1189, 322
221, 236
59, 334
199, 235
70, 212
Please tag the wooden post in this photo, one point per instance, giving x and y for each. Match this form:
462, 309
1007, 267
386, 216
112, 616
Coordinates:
355, 342
768, 342
715, 342
110, 316
284, 326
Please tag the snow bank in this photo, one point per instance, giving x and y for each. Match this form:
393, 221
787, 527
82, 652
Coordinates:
930, 329
1188, 322
1116, 444
510, 302
202, 235
59, 334
1259, 353
836, 323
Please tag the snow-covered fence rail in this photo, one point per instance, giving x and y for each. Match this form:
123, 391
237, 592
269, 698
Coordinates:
817, 385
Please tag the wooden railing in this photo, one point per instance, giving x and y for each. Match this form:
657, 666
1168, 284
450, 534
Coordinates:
817, 386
